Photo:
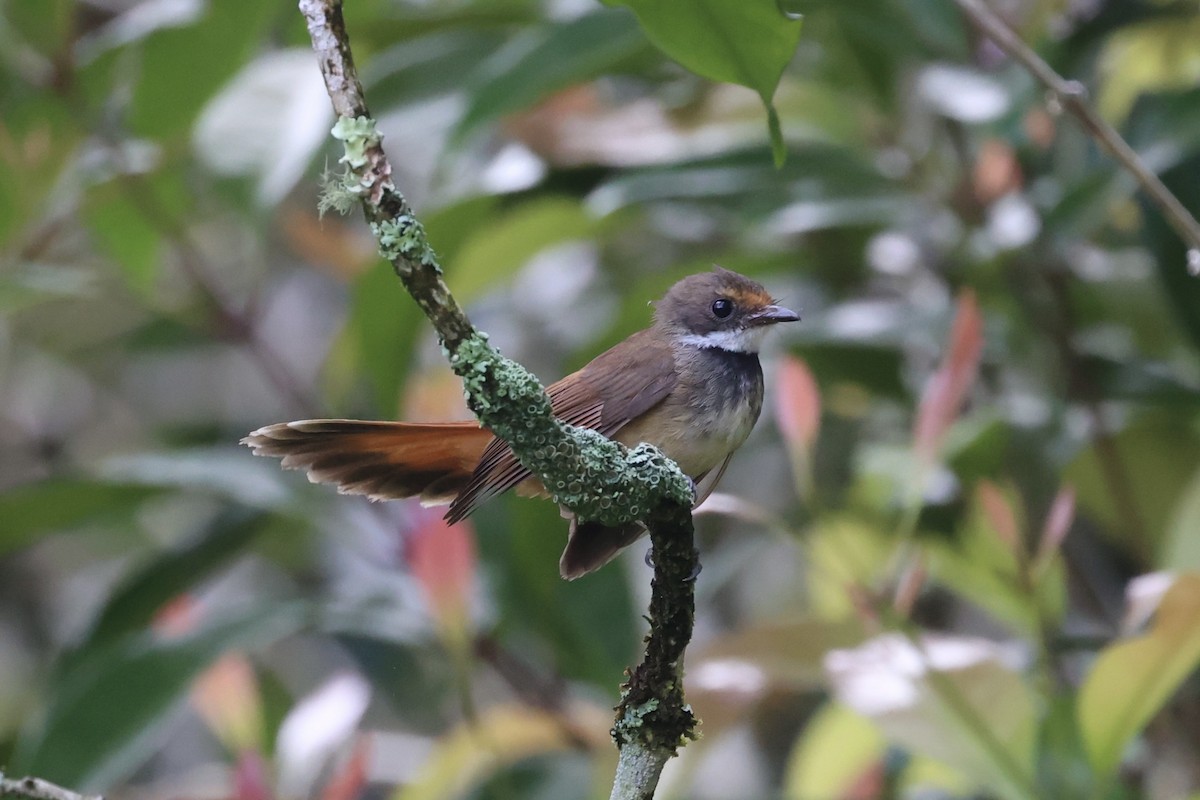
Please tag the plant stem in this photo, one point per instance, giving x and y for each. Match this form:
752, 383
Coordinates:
594, 477
1072, 96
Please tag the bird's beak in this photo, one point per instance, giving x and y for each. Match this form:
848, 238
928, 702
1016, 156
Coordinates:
769, 315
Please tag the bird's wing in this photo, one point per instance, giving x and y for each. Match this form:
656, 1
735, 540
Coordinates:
617, 386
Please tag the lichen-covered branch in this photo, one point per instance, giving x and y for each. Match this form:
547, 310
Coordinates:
38, 789
596, 478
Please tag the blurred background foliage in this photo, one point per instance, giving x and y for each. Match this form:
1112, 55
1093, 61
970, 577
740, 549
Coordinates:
959, 556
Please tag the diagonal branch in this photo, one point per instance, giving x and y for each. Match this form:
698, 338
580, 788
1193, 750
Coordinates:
1072, 96
38, 789
594, 477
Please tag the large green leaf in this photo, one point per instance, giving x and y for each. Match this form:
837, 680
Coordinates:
589, 623
748, 42
182, 67
499, 248
54, 505
1131, 680
835, 750
384, 323
1155, 458
540, 62
106, 718
140, 595
956, 700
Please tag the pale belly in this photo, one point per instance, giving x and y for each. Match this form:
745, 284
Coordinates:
695, 448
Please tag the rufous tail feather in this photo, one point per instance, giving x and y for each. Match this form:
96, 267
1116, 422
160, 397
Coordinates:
382, 460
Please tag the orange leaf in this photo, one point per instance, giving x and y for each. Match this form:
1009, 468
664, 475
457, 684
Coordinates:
1001, 518
250, 778
442, 559
348, 782
1058, 523
177, 617
797, 403
948, 386
226, 696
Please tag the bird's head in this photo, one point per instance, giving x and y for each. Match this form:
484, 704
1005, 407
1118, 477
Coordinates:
721, 310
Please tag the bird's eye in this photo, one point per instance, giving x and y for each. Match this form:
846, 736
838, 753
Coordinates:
722, 308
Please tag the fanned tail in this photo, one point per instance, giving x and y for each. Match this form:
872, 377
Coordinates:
382, 460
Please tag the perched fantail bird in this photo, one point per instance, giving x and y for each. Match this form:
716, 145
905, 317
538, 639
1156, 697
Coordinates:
690, 384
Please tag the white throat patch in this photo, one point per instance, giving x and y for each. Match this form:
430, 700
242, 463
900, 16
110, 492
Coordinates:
746, 340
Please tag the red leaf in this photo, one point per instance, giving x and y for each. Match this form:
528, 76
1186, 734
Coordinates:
250, 778
1000, 516
948, 386
1058, 523
348, 782
226, 696
797, 403
442, 559
177, 617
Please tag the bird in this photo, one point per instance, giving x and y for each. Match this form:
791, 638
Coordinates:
690, 384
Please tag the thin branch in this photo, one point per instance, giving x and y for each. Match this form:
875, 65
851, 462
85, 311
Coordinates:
596, 478
38, 789
237, 325
1072, 96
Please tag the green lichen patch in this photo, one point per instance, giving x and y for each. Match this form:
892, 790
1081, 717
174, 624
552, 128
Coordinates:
403, 240
583, 470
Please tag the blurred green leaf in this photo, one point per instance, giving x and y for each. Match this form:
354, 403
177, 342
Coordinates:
500, 736
590, 623
133, 220
134, 602
38, 145
105, 720
1139, 380
44, 24
31, 284
222, 470
125, 235
163, 104
1182, 291
415, 678
1149, 57
1155, 457
497, 249
876, 368
1131, 680
1181, 545
539, 62
415, 69
956, 700
835, 750
980, 564
791, 654
548, 776
747, 43
384, 324
63, 503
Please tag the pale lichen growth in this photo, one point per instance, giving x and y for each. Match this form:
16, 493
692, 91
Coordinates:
583, 470
403, 240
356, 134
629, 727
339, 192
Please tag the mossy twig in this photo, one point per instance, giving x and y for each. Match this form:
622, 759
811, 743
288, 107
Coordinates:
596, 478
